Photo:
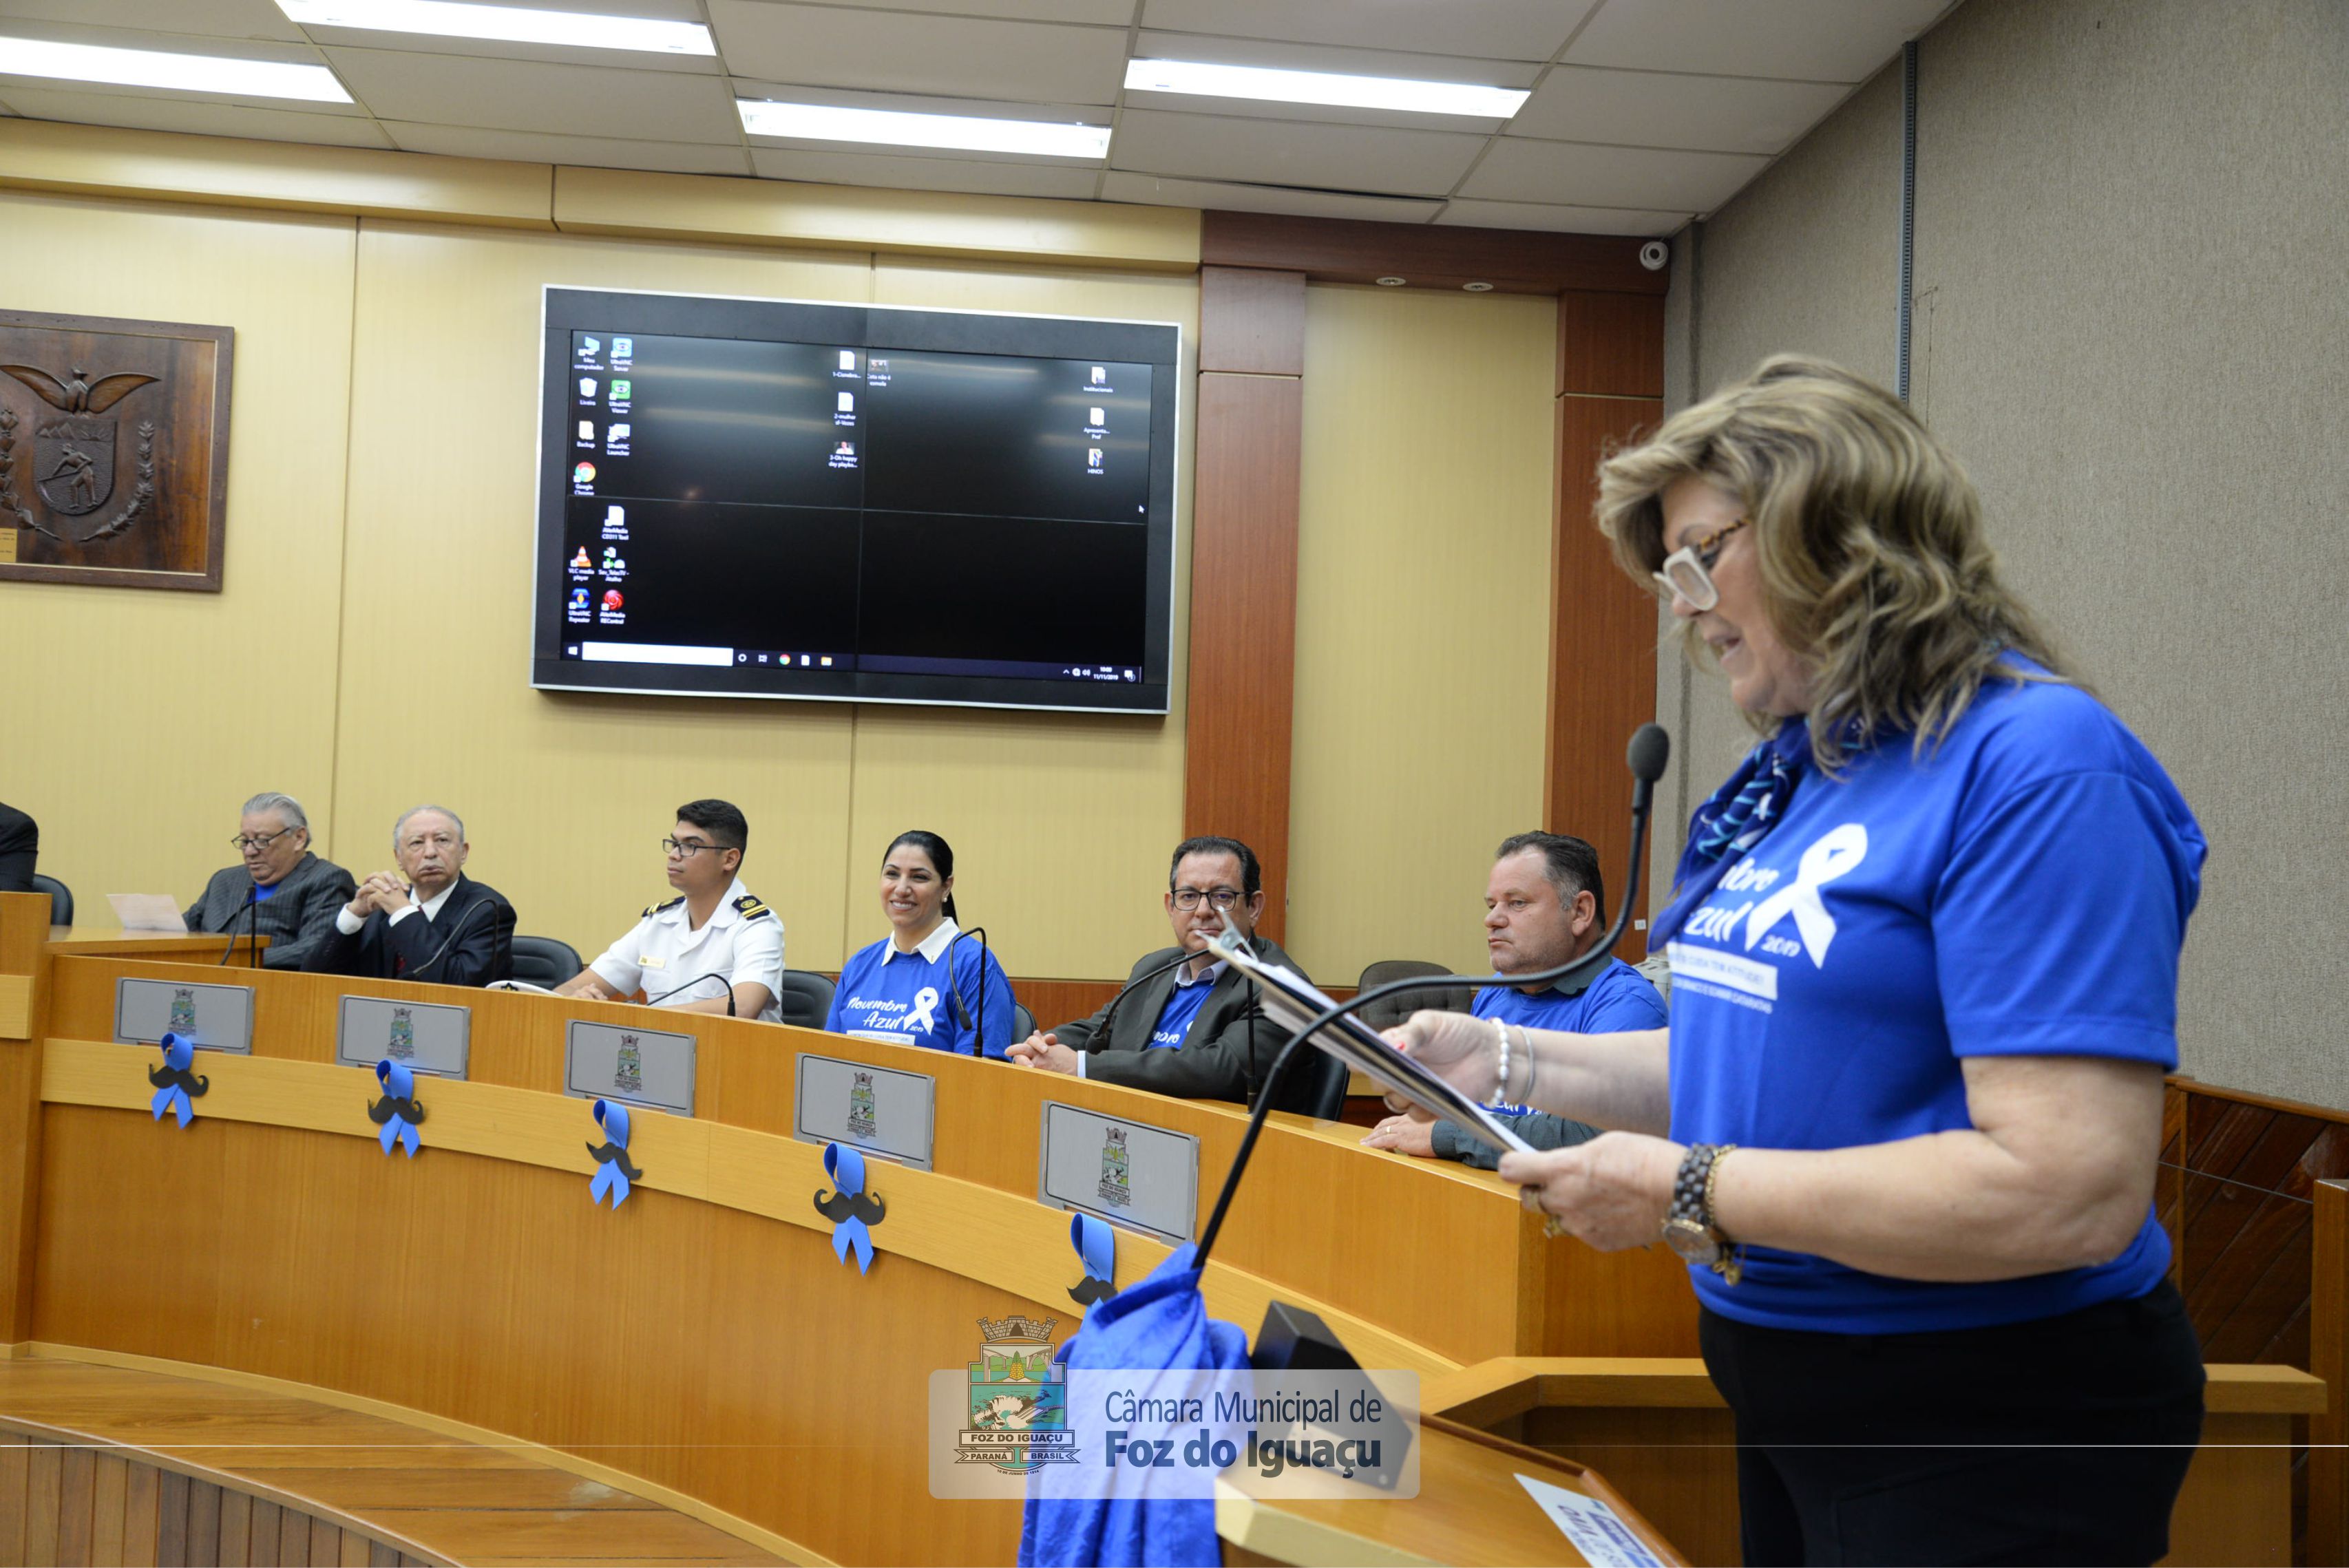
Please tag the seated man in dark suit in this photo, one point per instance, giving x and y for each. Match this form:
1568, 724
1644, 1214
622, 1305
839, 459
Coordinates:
426, 921
20, 850
1189, 1025
282, 891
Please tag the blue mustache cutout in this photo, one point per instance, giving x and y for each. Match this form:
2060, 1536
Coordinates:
612, 1171
853, 1212
398, 1110
174, 1082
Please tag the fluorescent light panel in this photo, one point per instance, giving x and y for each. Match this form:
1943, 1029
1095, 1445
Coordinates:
1324, 87
508, 24
215, 74
899, 128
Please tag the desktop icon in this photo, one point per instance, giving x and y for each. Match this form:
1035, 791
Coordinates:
1098, 415
583, 474
579, 598
587, 386
846, 450
825, 661
611, 598
877, 366
623, 347
804, 661
1101, 376
616, 517
618, 435
619, 391
848, 359
847, 403
588, 346
587, 432
1093, 457
580, 562
612, 561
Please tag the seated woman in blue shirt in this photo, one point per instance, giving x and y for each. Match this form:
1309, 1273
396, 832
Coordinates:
1903, 1124
924, 983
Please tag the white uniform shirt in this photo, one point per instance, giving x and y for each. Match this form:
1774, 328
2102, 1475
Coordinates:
743, 942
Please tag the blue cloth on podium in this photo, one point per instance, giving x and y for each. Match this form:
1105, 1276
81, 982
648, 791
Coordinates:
1160, 1322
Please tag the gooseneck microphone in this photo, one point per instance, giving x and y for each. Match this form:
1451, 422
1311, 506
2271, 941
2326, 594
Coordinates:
442, 951
1109, 1013
1649, 749
252, 905
978, 1017
724, 974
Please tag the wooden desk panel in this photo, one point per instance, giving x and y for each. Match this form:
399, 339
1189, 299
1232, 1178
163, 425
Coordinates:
1316, 1214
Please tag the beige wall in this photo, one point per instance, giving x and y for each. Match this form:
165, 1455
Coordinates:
2132, 284
371, 649
1423, 608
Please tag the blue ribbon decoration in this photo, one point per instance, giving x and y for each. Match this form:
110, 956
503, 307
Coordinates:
612, 1168
399, 1083
1096, 1246
174, 1080
848, 1206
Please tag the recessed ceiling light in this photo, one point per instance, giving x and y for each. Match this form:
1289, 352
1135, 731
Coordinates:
900, 128
509, 24
1389, 282
1323, 88
217, 73
1477, 288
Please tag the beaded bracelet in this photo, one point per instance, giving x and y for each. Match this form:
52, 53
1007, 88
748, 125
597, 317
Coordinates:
1503, 1031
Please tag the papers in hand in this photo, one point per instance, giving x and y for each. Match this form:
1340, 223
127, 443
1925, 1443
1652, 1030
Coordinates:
1293, 1001
147, 912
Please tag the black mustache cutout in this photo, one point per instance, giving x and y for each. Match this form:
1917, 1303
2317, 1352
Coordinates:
169, 1077
612, 1155
840, 1206
1089, 1290
409, 1110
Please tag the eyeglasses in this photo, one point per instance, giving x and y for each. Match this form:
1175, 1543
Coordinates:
1687, 571
242, 842
1223, 898
688, 848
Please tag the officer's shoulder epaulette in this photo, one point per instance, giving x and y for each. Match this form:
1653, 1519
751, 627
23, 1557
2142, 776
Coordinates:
654, 909
748, 906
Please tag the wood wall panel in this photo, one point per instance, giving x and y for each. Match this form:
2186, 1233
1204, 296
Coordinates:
2328, 1357
1339, 251
1611, 345
1602, 649
1244, 621
1251, 321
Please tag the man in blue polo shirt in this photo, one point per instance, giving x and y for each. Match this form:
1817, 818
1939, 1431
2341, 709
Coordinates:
1545, 904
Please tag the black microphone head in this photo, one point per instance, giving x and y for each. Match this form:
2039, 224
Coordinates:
1652, 748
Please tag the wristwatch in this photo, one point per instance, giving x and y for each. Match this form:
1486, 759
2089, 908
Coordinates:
1689, 1229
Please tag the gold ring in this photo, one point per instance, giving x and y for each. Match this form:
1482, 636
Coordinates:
1553, 1226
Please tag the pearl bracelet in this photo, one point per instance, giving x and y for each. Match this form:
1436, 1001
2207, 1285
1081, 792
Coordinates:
1503, 1031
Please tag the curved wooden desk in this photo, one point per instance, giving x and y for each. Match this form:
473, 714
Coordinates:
703, 1347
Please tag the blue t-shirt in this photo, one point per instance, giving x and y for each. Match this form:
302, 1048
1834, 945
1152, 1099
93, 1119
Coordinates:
2021, 889
1619, 1001
913, 999
263, 895
1174, 1025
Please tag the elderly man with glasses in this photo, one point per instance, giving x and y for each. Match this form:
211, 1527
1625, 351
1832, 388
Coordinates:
282, 891
1187, 1023
713, 948
425, 920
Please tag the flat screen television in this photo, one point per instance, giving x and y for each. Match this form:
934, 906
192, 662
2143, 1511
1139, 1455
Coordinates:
853, 503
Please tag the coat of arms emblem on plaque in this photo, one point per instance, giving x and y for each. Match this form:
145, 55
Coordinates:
113, 450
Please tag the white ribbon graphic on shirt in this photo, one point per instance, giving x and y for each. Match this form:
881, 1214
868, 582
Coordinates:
926, 1005
1837, 852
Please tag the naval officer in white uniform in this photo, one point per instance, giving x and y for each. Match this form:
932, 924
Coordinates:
714, 937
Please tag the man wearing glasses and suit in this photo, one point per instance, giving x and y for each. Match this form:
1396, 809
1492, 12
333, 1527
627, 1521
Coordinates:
715, 948
282, 891
425, 920
1187, 1024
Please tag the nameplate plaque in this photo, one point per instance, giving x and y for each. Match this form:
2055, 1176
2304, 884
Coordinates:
429, 1038
878, 1109
1127, 1172
215, 1018
639, 1066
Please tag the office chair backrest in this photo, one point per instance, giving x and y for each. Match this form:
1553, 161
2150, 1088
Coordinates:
60, 898
806, 999
545, 961
1386, 1015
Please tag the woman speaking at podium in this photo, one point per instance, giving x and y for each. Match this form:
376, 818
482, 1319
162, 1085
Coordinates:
925, 982
1924, 944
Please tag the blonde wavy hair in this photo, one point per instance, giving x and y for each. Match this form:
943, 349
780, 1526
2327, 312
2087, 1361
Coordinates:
1874, 571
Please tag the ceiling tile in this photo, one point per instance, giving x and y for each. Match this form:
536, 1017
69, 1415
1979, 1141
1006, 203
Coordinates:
834, 168
525, 95
220, 18
196, 117
1809, 40
895, 52
578, 151
1496, 29
1341, 158
1151, 190
1624, 220
1097, 13
1648, 108
1578, 174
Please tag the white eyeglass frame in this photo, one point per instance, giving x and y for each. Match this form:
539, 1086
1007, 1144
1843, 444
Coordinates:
1692, 557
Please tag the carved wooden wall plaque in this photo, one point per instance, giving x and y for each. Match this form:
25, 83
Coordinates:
113, 450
